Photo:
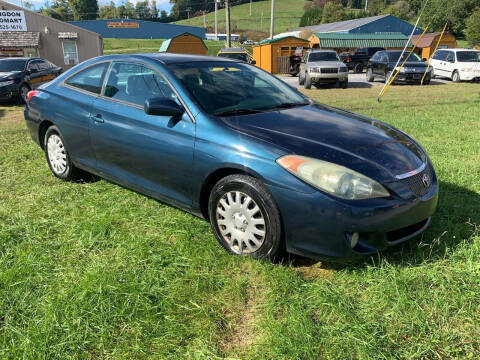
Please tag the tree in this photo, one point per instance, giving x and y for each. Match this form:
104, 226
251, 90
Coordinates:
108, 11
400, 9
60, 10
311, 16
472, 31
332, 12
142, 9
154, 10
84, 9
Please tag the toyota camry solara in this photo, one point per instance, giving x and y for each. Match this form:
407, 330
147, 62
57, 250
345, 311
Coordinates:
269, 168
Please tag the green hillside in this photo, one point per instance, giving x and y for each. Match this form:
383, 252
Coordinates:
287, 17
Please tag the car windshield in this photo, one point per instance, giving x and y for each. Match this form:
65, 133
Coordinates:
323, 56
8, 65
393, 56
235, 56
225, 88
468, 56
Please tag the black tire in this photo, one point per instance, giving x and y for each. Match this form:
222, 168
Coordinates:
22, 93
432, 73
455, 76
301, 80
69, 172
272, 244
344, 84
369, 75
358, 68
426, 81
308, 81
387, 77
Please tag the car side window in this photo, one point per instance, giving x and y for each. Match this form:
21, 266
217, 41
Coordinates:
134, 83
33, 66
90, 79
384, 58
43, 65
376, 56
450, 56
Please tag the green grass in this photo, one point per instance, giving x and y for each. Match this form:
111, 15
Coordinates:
131, 46
287, 17
95, 271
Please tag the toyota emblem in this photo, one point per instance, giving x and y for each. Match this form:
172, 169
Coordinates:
426, 180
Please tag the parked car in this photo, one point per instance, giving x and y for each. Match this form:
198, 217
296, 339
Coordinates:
457, 64
320, 67
249, 42
20, 75
359, 59
235, 54
268, 167
383, 63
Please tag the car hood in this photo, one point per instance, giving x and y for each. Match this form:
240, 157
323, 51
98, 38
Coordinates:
410, 64
326, 63
7, 75
364, 145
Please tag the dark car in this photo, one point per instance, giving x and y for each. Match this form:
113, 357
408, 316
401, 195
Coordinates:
222, 139
20, 75
383, 63
359, 59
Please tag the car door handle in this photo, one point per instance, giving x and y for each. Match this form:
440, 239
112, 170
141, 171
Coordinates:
97, 118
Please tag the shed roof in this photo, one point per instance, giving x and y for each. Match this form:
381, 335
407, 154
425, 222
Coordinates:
341, 40
427, 39
269, 41
19, 39
346, 25
166, 44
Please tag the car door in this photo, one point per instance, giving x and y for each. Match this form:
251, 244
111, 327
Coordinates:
46, 71
449, 64
34, 75
381, 65
153, 154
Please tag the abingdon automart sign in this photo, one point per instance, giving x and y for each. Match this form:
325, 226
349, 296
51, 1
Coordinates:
12, 20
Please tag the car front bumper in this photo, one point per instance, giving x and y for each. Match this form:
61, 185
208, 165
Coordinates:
411, 78
319, 226
331, 77
8, 92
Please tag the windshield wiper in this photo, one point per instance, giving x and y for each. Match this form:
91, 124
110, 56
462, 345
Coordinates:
239, 112
289, 105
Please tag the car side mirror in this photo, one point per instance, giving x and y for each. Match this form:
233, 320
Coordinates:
424, 59
253, 62
162, 106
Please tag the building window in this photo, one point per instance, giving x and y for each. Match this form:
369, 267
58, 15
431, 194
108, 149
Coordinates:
70, 53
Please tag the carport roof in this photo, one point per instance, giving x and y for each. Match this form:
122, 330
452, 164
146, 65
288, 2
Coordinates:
20, 39
341, 40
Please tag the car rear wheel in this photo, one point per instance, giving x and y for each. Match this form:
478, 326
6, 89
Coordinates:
308, 81
456, 76
23, 92
245, 218
301, 80
369, 75
358, 68
57, 156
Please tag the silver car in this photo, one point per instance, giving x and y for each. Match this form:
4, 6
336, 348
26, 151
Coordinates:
321, 67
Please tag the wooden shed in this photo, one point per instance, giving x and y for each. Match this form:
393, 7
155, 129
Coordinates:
273, 55
429, 42
185, 43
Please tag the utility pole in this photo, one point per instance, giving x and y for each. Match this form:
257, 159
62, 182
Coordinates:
227, 11
188, 11
261, 22
204, 20
250, 7
366, 5
216, 19
272, 19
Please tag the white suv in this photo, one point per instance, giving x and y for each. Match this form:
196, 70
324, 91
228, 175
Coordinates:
456, 64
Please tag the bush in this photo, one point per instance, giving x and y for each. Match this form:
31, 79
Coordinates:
312, 16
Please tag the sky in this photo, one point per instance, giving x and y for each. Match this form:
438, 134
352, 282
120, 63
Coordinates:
161, 4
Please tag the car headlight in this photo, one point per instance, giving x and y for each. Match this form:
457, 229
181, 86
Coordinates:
401, 70
5, 83
333, 179
315, 69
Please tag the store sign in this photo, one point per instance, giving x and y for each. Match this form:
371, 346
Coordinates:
122, 24
12, 20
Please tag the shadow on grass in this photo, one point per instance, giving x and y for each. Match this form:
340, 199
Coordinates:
456, 219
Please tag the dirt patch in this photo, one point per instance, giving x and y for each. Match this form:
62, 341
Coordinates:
314, 271
10, 115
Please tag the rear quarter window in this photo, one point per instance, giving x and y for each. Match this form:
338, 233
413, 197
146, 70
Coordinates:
90, 79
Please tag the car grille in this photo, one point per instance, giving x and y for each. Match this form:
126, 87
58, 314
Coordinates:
416, 182
329, 70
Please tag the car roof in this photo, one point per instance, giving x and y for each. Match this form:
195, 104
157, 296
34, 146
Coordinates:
20, 58
233, 49
321, 50
166, 58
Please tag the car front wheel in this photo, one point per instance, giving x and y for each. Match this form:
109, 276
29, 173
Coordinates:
369, 75
57, 156
308, 81
456, 76
244, 217
23, 92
